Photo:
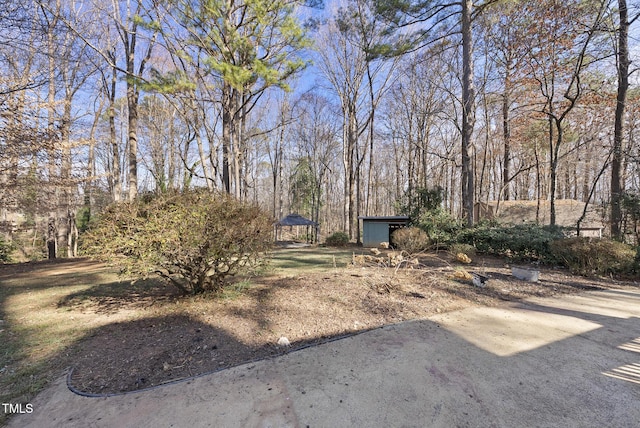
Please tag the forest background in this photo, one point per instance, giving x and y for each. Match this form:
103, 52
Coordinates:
332, 111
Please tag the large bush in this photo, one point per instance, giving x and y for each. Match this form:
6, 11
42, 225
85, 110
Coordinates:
587, 256
524, 242
195, 239
337, 239
410, 239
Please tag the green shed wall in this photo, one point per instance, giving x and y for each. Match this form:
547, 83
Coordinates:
373, 233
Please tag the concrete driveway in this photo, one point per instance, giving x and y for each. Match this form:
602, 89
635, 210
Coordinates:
572, 361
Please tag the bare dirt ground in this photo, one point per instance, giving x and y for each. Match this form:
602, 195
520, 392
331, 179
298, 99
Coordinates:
145, 334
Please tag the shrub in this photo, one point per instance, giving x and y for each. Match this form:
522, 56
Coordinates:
523, 242
424, 208
439, 225
338, 239
6, 248
586, 256
410, 239
194, 239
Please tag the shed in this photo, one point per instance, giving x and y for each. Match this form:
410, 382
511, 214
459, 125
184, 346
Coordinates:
376, 230
294, 220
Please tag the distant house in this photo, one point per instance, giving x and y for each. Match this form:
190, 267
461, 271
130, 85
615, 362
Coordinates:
376, 230
568, 211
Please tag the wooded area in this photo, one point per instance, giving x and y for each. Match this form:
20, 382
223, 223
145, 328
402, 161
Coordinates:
330, 112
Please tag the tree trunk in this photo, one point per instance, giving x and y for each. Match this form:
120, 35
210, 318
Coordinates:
349, 141
586, 178
352, 137
467, 112
506, 136
240, 148
65, 205
72, 235
617, 186
371, 139
91, 170
132, 103
538, 182
115, 176
244, 158
485, 155
553, 171
51, 152
51, 238
228, 110
129, 36
276, 162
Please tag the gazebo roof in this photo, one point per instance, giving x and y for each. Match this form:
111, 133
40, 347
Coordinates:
295, 220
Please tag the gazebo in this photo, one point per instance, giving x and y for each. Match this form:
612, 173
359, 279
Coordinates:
295, 220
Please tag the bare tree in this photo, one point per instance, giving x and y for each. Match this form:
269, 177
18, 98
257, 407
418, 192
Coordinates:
437, 21
344, 66
317, 136
558, 56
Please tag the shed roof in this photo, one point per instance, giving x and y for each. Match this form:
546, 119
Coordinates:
295, 220
385, 218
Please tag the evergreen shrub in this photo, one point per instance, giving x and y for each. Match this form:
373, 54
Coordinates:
594, 256
6, 248
521, 242
337, 239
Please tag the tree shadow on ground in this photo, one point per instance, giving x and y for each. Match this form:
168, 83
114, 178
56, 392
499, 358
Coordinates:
107, 298
138, 354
